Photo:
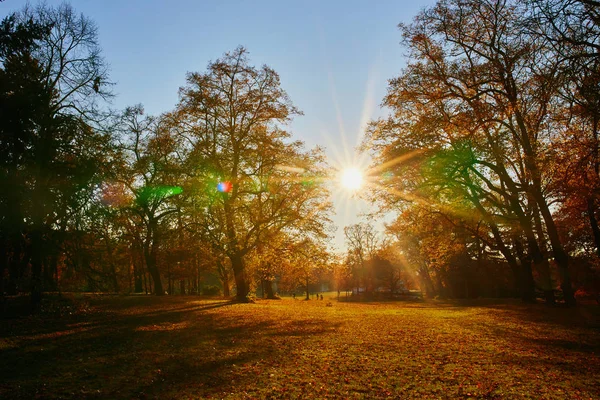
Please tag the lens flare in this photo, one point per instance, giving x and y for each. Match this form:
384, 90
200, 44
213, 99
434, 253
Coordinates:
224, 187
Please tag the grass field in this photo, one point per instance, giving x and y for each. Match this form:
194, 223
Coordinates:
187, 347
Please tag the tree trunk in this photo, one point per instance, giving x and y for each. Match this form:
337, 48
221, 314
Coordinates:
237, 263
226, 290
145, 282
591, 203
543, 265
560, 255
307, 293
591, 212
268, 285
427, 282
137, 271
153, 270
150, 248
526, 282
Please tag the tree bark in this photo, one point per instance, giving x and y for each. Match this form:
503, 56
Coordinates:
237, 263
591, 212
150, 248
542, 264
226, 290
430, 291
268, 285
137, 275
307, 292
527, 283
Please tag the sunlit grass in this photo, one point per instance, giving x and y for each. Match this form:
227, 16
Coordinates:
145, 347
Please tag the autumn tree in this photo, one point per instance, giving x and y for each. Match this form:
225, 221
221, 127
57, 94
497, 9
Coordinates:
309, 259
362, 242
231, 123
149, 171
480, 89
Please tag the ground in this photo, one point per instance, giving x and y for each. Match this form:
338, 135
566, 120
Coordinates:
188, 347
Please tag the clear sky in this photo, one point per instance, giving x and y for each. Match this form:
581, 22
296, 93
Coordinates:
334, 58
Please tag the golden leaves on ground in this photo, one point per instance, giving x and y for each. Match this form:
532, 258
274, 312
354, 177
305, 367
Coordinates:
176, 347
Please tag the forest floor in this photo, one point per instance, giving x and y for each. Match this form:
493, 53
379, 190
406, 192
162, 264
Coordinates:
113, 347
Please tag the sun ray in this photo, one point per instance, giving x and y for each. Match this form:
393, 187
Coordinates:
407, 196
331, 145
338, 113
368, 103
395, 161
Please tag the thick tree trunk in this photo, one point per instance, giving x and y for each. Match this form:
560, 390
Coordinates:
441, 290
542, 264
543, 268
560, 255
308, 293
237, 263
150, 249
226, 290
429, 287
224, 276
145, 282
137, 277
153, 271
268, 285
155, 274
527, 283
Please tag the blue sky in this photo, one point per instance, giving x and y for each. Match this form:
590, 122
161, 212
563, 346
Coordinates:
334, 58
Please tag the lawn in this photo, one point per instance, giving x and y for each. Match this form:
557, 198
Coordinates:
188, 347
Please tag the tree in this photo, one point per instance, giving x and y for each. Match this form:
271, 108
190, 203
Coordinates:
362, 243
150, 171
231, 123
308, 260
58, 153
479, 94
23, 103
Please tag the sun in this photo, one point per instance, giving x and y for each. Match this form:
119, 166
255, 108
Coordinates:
352, 178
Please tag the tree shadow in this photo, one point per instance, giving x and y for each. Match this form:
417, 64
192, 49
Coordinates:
136, 352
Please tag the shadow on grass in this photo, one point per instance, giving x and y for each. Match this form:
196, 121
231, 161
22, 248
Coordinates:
145, 348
